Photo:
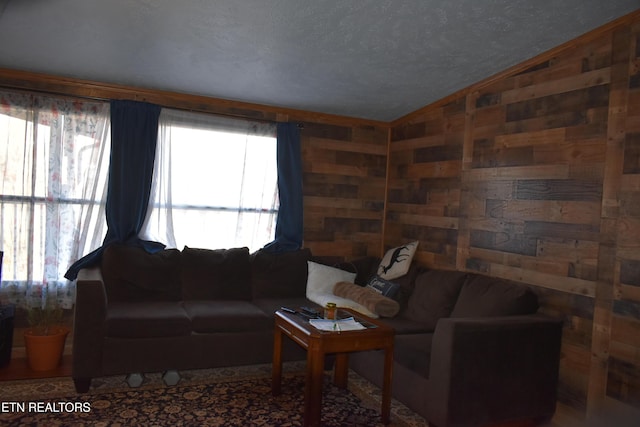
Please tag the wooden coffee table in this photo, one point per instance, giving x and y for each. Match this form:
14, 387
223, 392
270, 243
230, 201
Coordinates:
320, 343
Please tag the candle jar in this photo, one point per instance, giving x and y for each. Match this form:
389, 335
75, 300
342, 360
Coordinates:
330, 311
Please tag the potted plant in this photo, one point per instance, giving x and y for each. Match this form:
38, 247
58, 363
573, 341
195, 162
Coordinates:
45, 338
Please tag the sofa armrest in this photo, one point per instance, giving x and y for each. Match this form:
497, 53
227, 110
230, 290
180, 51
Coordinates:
89, 319
488, 369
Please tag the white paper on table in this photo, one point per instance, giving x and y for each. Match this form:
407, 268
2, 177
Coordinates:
348, 324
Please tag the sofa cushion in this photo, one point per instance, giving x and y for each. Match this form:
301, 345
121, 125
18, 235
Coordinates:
270, 305
130, 273
149, 320
226, 316
320, 283
434, 296
364, 267
279, 275
209, 274
384, 287
396, 261
403, 325
368, 297
413, 351
407, 284
489, 296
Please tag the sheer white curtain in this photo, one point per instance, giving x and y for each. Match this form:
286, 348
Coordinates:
54, 156
214, 184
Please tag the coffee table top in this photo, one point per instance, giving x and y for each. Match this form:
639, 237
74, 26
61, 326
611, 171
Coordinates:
371, 325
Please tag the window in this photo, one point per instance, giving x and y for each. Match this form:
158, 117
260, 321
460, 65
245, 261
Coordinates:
214, 186
53, 159
215, 182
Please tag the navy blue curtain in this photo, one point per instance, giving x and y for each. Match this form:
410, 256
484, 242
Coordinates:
134, 134
289, 222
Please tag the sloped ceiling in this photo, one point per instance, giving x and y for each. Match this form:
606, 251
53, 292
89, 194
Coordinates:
373, 59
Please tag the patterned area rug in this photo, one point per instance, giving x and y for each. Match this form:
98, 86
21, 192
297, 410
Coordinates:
209, 397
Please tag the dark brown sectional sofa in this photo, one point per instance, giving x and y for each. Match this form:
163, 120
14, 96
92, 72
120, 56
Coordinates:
178, 310
469, 349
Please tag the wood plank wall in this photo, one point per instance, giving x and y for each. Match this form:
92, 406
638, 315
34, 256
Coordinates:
535, 177
344, 183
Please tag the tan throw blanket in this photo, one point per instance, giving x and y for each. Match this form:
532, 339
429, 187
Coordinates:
369, 298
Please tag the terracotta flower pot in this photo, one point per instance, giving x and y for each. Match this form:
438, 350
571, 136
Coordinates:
45, 351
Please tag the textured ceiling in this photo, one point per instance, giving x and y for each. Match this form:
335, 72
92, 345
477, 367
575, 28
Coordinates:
374, 59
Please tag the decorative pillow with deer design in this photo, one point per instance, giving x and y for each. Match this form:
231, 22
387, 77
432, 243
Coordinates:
396, 261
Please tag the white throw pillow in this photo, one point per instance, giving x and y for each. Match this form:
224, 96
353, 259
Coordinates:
396, 261
321, 281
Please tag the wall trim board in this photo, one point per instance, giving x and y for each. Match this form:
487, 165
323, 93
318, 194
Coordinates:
67, 86
386, 195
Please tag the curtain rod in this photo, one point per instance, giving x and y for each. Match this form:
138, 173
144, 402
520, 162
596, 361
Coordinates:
103, 99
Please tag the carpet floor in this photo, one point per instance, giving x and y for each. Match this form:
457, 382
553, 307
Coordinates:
209, 397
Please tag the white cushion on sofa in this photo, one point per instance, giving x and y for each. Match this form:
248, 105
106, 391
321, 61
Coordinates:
321, 281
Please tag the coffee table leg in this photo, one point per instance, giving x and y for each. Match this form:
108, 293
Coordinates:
341, 371
386, 385
276, 369
313, 387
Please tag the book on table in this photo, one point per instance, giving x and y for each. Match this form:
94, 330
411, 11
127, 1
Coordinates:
337, 325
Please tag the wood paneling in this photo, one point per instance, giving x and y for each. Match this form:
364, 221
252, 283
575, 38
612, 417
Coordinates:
622, 382
534, 177
425, 184
344, 181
